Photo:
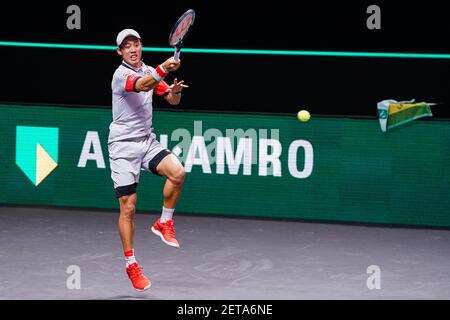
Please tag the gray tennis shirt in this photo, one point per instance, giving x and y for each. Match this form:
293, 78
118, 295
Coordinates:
132, 111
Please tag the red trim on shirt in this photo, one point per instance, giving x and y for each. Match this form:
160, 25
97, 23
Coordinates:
129, 83
162, 88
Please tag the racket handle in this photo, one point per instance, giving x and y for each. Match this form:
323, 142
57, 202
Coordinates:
176, 56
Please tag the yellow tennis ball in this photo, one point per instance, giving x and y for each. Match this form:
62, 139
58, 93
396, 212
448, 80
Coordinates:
303, 115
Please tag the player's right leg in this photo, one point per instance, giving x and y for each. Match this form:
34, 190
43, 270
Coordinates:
125, 167
126, 220
126, 231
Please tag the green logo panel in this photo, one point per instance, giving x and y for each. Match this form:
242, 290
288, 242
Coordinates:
36, 151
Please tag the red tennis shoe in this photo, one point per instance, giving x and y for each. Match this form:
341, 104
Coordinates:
166, 232
139, 281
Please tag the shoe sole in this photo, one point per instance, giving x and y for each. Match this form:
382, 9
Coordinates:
159, 234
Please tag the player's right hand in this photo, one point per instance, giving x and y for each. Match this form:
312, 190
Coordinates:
171, 64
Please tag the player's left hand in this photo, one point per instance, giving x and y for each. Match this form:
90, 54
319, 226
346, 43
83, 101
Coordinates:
177, 87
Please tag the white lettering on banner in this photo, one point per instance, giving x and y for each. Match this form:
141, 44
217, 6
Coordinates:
292, 159
197, 146
265, 158
236, 134
93, 140
181, 148
221, 151
211, 135
163, 140
243, 153
236, 150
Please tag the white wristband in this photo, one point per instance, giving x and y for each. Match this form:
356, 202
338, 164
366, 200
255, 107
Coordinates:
156, 76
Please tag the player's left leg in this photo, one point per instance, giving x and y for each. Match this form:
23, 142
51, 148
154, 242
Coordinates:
173, 170
160, 161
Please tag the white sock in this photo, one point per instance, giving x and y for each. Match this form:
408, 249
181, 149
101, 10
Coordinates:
167, 214
129, 257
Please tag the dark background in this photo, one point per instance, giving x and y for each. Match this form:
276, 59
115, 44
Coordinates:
284, 84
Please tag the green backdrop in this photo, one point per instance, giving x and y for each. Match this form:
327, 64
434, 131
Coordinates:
358, 173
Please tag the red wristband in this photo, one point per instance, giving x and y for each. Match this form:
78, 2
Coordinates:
161, 71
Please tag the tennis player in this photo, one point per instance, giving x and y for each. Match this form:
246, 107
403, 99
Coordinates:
133, 147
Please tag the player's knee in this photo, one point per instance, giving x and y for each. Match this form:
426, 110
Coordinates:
128, 209
178, 176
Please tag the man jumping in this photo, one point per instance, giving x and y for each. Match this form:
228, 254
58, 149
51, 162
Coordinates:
133, 147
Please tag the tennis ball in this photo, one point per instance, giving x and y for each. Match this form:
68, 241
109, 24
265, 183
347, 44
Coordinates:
303, 115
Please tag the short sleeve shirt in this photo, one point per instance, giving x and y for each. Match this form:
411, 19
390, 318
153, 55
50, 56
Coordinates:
132, 111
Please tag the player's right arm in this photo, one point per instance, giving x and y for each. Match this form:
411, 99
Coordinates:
151, 81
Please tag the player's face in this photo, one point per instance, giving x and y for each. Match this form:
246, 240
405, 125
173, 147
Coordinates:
131, 51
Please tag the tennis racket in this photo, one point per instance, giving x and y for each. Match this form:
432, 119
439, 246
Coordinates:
180, 30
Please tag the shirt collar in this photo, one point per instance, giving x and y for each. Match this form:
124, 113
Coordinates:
134, 68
